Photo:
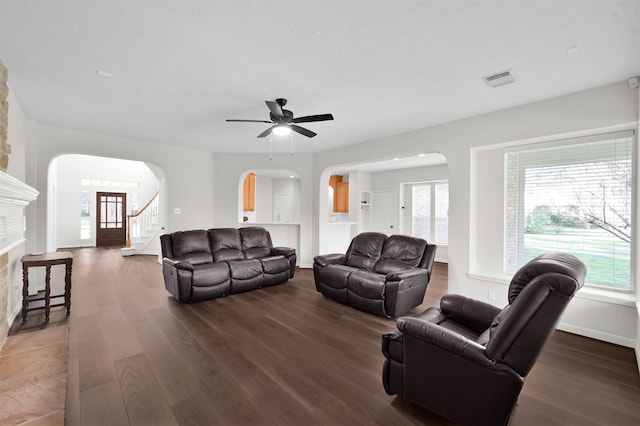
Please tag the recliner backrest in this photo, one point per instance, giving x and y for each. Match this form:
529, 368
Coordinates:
400, 252
365, 250
256, 242
191, 246
225, 244
538, 295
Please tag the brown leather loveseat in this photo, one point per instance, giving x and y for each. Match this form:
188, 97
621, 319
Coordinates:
200, 265
382, 275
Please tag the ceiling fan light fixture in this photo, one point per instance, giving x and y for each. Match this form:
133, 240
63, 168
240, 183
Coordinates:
282, 130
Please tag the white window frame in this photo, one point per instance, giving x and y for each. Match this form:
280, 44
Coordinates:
432, 217
516, 241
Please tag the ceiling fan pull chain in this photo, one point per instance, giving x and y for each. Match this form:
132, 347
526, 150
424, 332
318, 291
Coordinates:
270, 147
291, 141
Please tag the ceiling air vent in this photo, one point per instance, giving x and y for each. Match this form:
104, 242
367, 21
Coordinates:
500, 79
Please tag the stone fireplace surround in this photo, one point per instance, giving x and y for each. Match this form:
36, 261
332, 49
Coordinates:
15, 195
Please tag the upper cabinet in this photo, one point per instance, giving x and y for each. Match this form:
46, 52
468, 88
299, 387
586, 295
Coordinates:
249, 193
340, 194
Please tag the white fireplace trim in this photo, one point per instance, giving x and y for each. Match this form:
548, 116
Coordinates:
14, 192
11, 246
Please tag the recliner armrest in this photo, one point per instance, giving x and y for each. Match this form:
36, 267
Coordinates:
443, 338
473, 314
330, 259
284, 251
407, 273
177, 264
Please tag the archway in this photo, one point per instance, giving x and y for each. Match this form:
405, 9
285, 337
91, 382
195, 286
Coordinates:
73, 182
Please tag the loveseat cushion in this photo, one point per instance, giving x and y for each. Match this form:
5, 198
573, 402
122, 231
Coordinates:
225, 244
256, 242
336, 276
366, 291
400, 252
364, 250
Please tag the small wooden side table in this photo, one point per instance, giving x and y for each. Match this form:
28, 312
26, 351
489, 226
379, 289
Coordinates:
47, 260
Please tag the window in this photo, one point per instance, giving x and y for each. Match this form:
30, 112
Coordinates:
430, 211
85, 215
573, 196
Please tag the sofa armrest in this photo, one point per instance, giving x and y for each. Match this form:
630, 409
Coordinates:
330, 259
177, 264
433, 334
473, 314
406, 274
284, 251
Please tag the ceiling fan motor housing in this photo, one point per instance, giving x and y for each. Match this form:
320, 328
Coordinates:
287, 116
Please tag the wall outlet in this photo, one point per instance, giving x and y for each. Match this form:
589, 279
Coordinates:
491, 295
176, 210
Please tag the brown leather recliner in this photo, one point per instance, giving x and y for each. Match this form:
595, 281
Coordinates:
382, 275
467, 360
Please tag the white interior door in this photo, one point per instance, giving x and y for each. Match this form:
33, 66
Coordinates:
282, 208
383, 212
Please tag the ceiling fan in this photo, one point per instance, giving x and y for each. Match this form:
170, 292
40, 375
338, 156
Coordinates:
283, 120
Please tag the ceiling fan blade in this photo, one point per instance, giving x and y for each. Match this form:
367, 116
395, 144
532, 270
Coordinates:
306, 132
310, 118
266, 132
275, 109
248, 121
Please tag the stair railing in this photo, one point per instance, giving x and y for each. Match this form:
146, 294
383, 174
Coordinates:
143, 219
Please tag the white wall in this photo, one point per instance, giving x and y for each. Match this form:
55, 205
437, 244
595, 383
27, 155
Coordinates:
71, 168
17, 138
588, 111
263, 199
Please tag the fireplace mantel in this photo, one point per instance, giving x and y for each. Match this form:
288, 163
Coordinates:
14, 197
14, 192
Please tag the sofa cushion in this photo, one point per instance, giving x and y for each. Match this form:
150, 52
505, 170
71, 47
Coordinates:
185, 242
225, 244
256, 242
364, 250
195, 258
209, 274
245, 269
275, 264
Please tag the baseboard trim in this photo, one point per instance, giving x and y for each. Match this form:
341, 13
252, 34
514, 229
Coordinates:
599, 335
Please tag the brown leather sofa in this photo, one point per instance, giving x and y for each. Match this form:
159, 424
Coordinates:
467, 360
200, 265
382, 275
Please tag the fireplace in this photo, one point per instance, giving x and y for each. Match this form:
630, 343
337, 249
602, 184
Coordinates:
14, 197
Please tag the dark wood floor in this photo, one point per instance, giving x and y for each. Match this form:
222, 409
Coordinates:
284, 355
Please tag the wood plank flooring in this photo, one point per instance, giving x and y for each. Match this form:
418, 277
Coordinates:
283, 355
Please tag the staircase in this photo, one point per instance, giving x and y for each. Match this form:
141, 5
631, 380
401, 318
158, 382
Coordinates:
143, 228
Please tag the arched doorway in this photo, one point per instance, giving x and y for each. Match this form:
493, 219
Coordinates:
76, 182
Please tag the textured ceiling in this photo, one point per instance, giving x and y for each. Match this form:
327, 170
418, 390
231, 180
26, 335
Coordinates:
382, 67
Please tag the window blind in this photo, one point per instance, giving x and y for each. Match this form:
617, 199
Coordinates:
575, 196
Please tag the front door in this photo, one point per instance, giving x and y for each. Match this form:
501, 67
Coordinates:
111, 219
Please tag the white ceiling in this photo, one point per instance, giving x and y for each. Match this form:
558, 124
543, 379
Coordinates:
381, 67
